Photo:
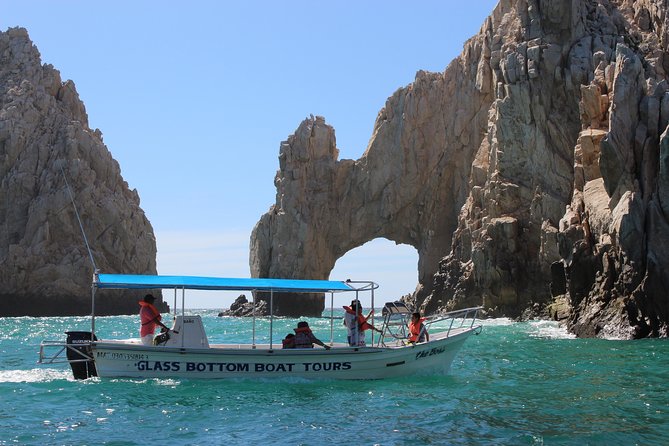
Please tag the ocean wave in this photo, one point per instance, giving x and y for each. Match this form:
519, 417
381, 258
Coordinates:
497, 322
548, 330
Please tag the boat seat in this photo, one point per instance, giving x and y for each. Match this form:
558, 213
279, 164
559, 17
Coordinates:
190, 334
393, 308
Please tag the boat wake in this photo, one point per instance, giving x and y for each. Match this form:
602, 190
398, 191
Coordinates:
35, 375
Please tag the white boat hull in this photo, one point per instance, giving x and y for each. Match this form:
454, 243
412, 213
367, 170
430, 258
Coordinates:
123, 359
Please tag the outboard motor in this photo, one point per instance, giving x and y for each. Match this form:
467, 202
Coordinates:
78, 352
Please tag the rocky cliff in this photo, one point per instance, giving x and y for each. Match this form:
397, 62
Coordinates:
533, 173
44, 266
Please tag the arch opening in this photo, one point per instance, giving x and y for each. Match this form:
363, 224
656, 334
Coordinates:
393, 266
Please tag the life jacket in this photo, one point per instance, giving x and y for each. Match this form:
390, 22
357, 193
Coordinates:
362, 320
149, 317
303, 336
415, 329
288, 341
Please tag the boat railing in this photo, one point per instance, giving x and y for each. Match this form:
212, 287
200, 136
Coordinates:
397, 316
465, 318
56, 352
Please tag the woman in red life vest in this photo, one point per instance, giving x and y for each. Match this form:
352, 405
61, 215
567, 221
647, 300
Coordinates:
417, 329
149, 317
356, 324
304, 338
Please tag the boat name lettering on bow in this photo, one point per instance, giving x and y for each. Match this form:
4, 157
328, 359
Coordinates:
434, 351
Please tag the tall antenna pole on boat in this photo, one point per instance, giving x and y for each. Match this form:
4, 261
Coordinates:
81, 226
88, 248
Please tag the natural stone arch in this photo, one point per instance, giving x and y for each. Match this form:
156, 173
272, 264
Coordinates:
407, 187
548, 108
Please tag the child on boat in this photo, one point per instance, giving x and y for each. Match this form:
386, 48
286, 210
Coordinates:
417, 329
304, 338
289, 341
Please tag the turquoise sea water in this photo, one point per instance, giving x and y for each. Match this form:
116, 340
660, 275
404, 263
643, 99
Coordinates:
514, 384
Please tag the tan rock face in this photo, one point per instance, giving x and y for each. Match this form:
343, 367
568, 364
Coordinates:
534, 167
415, 163
44, 266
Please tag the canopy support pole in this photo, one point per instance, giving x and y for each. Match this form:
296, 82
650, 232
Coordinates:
356, 325
175, 309
93, 309
372, 316
183, 313
183, 301
331, 318
253, 344
271, 318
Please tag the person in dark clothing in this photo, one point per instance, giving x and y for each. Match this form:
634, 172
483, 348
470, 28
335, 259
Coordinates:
289, 341
304, 338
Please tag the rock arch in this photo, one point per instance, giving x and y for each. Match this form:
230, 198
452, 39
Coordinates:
407, 187
536, 164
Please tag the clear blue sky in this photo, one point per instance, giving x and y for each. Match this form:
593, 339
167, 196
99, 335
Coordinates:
194, 98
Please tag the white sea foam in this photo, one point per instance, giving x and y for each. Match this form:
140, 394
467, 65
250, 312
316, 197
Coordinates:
168, 382
34, 375
497, 322
549, 330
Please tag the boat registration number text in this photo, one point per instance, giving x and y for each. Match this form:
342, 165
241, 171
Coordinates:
122, 356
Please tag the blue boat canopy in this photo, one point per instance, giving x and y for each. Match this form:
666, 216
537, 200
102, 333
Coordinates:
137, 281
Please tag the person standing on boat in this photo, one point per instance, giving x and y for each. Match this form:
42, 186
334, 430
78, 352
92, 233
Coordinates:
356, 324
150, 317
417, 329
304, 338
350, 317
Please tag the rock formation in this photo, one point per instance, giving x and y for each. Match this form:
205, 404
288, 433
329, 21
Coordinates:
44, 265
241, 307
534, 168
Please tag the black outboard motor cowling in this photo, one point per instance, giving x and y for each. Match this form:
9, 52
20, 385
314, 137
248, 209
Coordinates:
78, 350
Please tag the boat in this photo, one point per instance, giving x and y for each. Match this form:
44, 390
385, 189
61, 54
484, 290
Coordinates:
185, 352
